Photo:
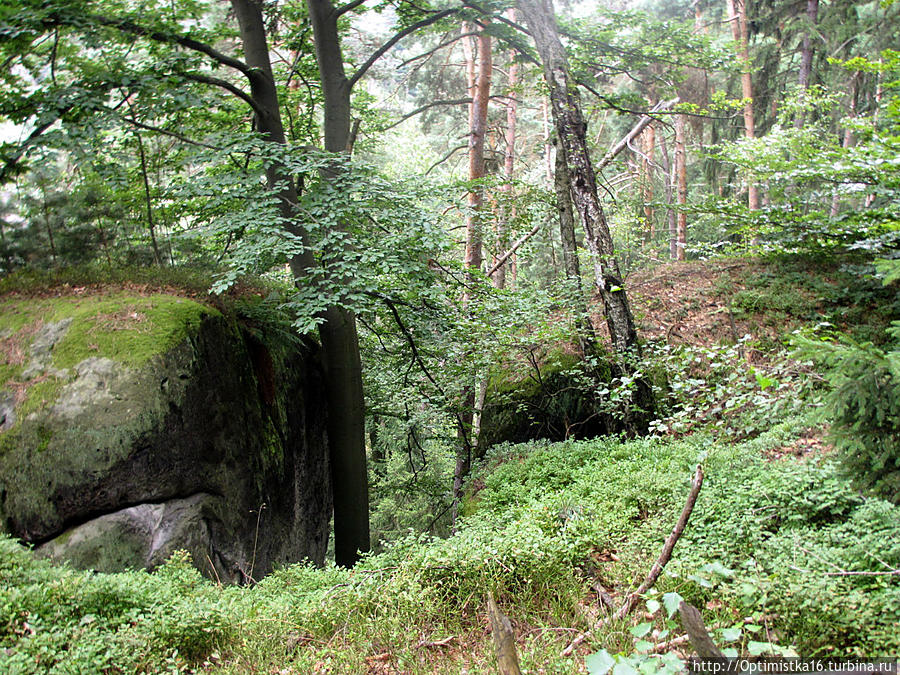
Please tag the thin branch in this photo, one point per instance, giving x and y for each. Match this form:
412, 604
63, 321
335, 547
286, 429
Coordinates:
637, 129
446, 43
512, 249
395, 39
171, 134
445, 158
658, 566
350, 6
666, 553
195, 45
10, 162
456, 101
497, 17
228, 86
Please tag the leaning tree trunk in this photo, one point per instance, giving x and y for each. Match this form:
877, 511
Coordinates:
571, 128
344, 393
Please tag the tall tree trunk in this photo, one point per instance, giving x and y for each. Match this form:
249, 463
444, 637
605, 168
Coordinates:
583, 325
648, 147
847, 140
571, 129
879, 93
45, 209
507, 210
343, 390
806, 55
147, 201
481, 90
668, 186
681, 188
806, 50
548, 146
737, 16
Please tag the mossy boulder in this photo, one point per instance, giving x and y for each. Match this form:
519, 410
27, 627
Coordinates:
135, 425
558, 398
553, 400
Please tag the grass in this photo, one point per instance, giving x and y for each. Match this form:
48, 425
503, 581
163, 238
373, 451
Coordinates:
550, 521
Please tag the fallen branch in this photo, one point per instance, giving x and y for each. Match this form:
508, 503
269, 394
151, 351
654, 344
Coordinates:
504, 640
666, 554
658, 566
696, 630
669, 644
512, 249
849, 573
436, 643
631, 135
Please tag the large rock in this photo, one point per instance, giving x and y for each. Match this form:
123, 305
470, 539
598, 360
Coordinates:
216, 445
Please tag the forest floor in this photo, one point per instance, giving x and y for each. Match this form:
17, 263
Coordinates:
781, 554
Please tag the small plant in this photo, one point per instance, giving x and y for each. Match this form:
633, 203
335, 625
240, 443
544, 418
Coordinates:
863, 407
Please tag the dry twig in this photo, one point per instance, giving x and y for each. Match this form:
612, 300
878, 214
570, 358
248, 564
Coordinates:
658, 566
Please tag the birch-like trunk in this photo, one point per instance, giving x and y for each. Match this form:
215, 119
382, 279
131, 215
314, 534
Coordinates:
571, 129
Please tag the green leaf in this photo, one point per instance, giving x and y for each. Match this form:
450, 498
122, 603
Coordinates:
671, 602
731, 634
624, 668
641, 629
653, 606
718, 568
757, 648
599, 663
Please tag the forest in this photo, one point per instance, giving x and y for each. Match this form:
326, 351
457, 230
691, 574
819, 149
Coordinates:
444, 336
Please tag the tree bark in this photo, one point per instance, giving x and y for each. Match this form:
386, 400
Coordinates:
571, 128
649, 148
344, 393
480, 88
806, 55
737, 16
681, 188
583, 325
344, 389
806, 50
507, 210
847, 141
147, 201
668, 186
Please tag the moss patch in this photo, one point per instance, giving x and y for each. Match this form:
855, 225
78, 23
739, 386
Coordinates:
553, 401
125, 327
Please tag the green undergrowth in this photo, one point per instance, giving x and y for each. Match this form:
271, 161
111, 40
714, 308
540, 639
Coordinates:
788, 291
760, 556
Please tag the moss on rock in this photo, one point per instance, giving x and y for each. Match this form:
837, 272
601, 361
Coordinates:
147, 400
556, 400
